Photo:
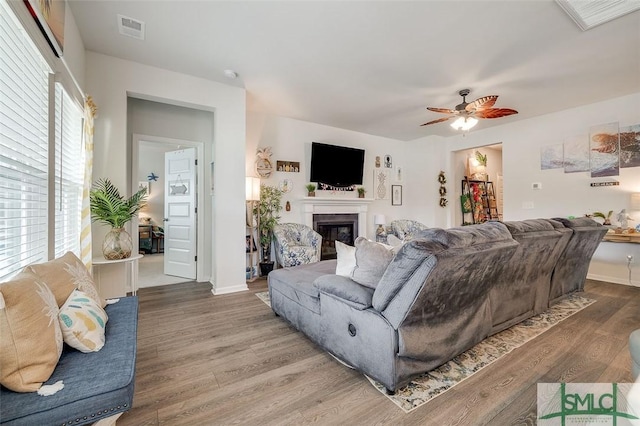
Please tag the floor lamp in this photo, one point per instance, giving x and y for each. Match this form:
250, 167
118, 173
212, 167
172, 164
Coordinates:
252, 195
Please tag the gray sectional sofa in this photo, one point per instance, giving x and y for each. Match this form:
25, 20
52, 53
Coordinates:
442, 293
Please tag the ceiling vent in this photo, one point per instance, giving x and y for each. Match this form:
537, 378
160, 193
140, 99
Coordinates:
131, 27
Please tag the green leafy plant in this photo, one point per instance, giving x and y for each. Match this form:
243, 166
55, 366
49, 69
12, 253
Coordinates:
607, 218
361, 191
111, 208
482, 159
267, 212
310, 187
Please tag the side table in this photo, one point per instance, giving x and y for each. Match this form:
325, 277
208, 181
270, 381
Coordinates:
104, 268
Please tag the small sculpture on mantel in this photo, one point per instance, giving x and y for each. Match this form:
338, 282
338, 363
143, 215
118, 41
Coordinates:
624, 219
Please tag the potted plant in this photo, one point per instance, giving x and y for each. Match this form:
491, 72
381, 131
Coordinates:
267, 212
111, 208
311, 189
607, 218
361, 192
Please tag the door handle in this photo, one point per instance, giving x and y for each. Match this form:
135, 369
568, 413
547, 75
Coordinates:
166, 219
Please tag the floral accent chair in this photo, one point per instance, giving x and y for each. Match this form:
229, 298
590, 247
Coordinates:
405, 229
296, 244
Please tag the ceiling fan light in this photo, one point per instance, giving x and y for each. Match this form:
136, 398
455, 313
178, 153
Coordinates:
464, 123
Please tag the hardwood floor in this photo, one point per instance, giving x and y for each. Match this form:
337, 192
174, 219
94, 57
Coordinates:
224, 360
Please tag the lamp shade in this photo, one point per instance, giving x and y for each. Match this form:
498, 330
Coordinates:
379, 219
635, 201
252, 188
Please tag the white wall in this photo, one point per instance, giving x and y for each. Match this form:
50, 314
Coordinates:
110, 80
561, 194
151, 159
291, 141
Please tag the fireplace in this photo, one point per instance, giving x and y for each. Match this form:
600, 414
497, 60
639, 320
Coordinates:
332, 227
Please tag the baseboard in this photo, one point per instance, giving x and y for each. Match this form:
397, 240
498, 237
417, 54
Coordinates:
227, 290
615, 280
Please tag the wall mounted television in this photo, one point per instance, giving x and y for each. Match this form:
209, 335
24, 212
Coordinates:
339, 166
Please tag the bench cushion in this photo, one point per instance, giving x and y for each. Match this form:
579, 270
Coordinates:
96, 384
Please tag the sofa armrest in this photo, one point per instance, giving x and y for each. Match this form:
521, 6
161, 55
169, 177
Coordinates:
339, 287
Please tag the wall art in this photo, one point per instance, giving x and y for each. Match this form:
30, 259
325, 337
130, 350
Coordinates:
576, 154
630, 146
381, 184
551, 157
604, 150
396, 195
50, 16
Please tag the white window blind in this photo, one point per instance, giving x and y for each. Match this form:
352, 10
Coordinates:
69, 173
24, 83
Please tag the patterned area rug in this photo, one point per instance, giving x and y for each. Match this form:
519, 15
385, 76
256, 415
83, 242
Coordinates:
429, 385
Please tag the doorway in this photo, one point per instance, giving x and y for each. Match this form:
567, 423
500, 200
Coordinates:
493, 169
153, 237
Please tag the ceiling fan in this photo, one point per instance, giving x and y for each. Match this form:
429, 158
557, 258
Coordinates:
467, 113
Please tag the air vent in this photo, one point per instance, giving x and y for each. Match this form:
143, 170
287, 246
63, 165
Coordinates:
131, 27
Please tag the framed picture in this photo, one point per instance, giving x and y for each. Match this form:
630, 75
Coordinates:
49, 16
396, 195
144, 185
251, 244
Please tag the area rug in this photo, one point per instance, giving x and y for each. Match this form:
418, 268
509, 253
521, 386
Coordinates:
436, 382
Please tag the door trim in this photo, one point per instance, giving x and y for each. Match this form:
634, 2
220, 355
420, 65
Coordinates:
200, 184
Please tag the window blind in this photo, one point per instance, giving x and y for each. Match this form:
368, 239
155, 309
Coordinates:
24, 82
69, 173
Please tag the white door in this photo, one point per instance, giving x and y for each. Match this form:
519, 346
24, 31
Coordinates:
180, 213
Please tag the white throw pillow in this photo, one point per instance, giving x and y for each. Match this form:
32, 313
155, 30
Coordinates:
346, 256
82, 321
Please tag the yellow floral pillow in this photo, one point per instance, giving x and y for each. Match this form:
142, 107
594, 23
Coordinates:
82, 321
30, 337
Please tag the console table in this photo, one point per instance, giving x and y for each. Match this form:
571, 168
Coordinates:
622, 238
101, 268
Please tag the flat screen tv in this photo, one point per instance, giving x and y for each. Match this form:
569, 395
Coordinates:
334, 165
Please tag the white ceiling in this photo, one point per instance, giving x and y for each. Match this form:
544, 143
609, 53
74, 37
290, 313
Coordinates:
373, 66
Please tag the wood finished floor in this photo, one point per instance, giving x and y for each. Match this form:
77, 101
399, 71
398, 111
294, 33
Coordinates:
228, 360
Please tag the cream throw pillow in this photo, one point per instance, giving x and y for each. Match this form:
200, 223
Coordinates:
82, 321
346, 259
65, 274
31, 340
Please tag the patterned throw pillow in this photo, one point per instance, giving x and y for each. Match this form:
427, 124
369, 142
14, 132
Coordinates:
65, 274
30, 337
82, 321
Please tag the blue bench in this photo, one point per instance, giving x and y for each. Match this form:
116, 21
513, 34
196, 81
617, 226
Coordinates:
97, 385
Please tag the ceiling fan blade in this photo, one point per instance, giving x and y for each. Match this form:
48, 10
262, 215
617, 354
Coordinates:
439, 120
442, 110
494, 112
481, 103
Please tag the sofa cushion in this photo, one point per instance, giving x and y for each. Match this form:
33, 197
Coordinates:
296, 283
346, 259
65, 274
31, 341
83, 321
372, 260
345, 289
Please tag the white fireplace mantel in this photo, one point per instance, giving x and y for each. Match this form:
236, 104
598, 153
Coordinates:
322, 205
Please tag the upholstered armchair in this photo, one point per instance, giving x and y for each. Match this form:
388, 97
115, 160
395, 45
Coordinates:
405, 229
296, 244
